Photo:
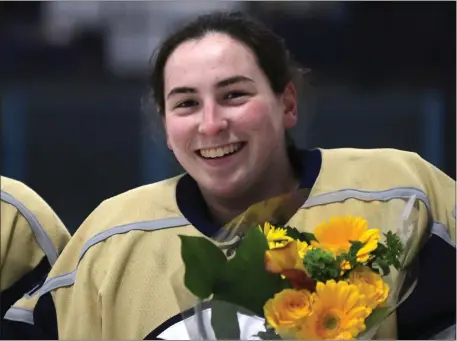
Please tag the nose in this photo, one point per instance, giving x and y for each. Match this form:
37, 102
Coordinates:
212, 122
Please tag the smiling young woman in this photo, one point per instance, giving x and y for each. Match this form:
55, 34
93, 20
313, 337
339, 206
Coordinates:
224, 87
221, 116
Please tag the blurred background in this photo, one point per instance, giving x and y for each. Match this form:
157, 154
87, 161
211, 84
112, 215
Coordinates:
72, 76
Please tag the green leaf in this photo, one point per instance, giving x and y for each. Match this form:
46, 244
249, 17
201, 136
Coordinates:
307, 237
355, 247
292, 232
385, 269
387, 255
224, 320
203, 262
351, 255
395, 248
270, 334
301, 236
245, 281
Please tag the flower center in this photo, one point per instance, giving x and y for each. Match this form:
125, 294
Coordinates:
331, 322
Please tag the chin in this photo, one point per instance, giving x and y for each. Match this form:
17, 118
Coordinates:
228, 185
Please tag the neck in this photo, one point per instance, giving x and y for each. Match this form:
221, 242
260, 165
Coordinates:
280, 181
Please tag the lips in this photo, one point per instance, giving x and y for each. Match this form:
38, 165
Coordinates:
219, 152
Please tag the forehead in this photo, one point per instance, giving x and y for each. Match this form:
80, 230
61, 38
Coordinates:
210, 58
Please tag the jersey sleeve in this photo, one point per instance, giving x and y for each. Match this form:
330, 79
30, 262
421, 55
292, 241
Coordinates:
80, 294
32, 238
67, 302
431, 310
441, 190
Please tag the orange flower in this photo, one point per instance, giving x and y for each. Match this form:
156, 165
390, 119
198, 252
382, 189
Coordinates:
285, 311
339, 313
370, 284
336, 234
286, 261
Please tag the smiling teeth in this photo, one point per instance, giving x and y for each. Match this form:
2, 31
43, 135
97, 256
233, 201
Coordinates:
212, 153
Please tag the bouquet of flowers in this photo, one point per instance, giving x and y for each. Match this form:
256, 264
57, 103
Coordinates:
341, 280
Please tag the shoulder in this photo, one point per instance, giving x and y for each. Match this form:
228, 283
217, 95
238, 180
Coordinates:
124, 235
372, 157
160, 193
388, 173
147, 208
21, 196
138, 208
380, 169
17, 187
145, 203
18, 198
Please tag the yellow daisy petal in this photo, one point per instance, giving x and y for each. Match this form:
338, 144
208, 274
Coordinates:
339, 312
276, 237
336, 234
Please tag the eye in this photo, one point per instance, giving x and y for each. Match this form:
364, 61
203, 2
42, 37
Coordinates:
187, 104
234, 95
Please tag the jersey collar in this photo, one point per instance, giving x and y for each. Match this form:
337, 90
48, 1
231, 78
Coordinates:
192, 205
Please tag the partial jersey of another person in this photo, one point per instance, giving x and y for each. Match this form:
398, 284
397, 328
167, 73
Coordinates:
32, 238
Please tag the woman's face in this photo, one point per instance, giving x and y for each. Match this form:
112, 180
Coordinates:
223, 122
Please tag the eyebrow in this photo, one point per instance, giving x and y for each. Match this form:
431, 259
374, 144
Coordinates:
233, 80
221, 84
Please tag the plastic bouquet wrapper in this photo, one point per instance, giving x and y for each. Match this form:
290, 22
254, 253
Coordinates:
260, 278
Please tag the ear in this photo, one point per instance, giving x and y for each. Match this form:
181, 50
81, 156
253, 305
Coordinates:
166, 132
290, 105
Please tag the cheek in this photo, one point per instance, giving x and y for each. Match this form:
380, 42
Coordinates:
259, 116
178, 133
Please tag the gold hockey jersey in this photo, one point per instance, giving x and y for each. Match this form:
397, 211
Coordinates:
113, 279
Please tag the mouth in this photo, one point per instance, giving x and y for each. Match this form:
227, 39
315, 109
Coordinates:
220, 152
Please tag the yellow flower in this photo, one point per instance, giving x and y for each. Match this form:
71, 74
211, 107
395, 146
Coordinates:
288, 262
345, 265
302, 247
339, 312
285, 257
370, 284
286, 309
336, 234
276, 236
